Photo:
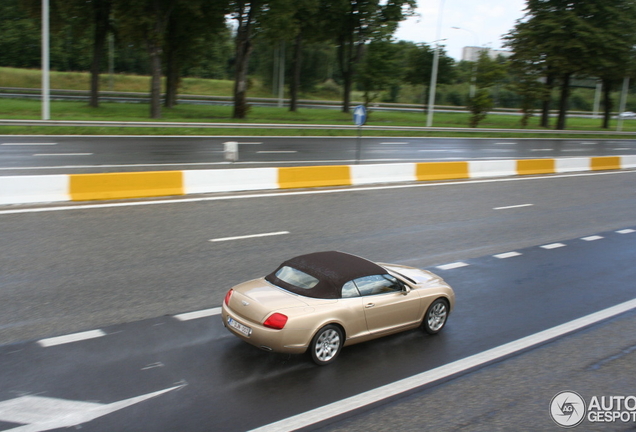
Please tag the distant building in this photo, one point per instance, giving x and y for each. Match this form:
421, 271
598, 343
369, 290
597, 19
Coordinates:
471, 53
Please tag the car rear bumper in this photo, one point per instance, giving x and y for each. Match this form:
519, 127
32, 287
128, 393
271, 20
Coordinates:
286, 340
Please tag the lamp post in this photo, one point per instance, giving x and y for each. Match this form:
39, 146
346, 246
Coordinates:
473, 74
46, 110
432, 87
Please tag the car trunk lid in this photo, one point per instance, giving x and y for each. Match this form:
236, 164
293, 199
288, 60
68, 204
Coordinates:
255, 300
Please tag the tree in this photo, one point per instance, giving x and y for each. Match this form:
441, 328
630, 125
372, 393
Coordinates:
527, 84
479, 105
146, 20
191, 28
307, 24
488, 73
419, 67
378, 69
353, 23
101, 26
252, 18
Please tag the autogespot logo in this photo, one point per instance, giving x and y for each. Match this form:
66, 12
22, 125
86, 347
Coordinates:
567, 409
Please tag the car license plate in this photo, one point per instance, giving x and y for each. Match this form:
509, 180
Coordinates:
239, 327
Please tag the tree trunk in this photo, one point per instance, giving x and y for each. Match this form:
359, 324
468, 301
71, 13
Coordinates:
296, 67
545, 106
173, 75
242, 58
154, 51
173, 79
346, 97
607, 103
563, 101
101, 11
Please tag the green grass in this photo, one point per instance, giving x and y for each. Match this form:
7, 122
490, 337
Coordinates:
64, 110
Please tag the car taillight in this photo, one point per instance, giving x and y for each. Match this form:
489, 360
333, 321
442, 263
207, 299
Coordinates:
228, 296
276, 321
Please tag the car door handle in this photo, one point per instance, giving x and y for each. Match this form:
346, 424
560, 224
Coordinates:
370, 305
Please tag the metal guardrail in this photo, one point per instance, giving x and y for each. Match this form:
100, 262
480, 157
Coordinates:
162, 124
36, 93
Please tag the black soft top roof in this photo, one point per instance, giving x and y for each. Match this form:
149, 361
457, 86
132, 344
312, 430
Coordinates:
333, 269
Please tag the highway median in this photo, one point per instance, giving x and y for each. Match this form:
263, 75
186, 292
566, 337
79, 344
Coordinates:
131, 185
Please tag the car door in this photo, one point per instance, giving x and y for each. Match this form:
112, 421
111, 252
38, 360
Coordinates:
387, 305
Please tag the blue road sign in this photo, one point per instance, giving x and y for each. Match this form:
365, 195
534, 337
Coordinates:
359, 115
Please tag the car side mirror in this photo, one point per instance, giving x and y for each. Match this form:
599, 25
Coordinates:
405, 289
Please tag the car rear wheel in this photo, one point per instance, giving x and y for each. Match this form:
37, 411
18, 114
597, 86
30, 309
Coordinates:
326, 345
436, 316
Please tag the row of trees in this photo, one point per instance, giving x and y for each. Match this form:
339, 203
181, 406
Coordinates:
173, 32
556, 41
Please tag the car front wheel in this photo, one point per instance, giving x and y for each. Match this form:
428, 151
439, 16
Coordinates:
436, 316
326, 345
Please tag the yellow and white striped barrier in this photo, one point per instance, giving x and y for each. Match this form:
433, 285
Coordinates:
110, 186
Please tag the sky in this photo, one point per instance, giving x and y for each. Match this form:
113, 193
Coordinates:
482, 23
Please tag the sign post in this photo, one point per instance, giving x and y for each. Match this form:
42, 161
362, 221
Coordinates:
359, 118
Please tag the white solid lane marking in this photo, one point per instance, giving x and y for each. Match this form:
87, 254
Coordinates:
249, 236
626, 231
452, 265
250, 143
512, 206
198, 314
507, 255
592, 238
448, 370
27, 144
393, 143
63, 154
75, 337
505, 143
277, 151
553, 246
540, 150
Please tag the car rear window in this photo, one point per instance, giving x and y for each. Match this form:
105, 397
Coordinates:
296, 277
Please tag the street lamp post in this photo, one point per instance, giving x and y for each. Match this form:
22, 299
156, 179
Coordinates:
46, 110
432, 87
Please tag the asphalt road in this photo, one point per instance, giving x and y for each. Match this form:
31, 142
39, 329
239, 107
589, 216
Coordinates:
100, 268
21, 155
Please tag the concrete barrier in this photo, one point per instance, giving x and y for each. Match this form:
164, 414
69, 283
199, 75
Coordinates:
87, 187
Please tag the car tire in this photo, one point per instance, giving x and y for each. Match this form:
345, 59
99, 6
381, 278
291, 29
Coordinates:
326, 344
436, 316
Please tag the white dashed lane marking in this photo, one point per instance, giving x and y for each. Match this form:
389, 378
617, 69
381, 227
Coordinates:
507, 255
198, 314
63, 154
452, 265
75, 337
553, 246
27, 144
513, 206
626, 231
592, 238
249, 236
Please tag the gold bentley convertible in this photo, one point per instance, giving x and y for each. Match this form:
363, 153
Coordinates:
324, 301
